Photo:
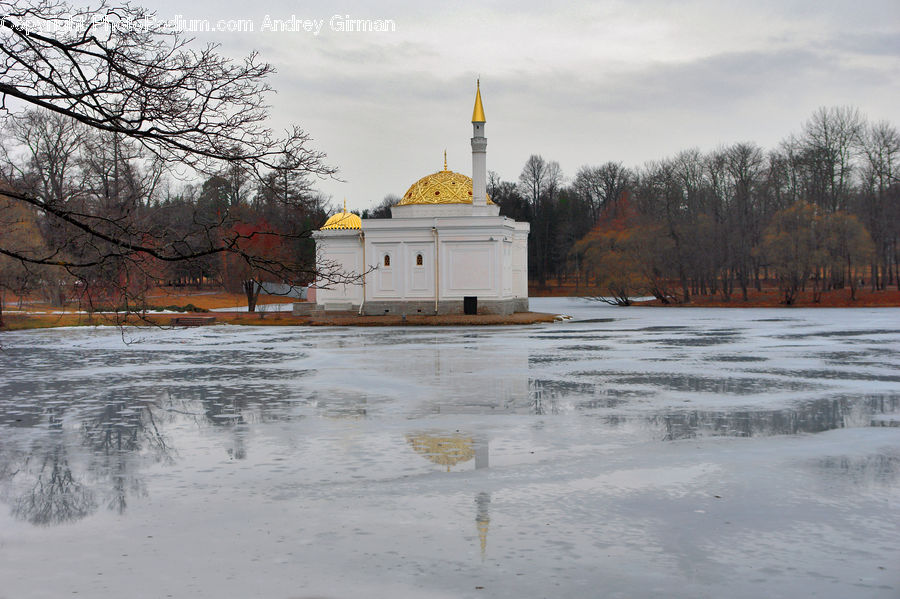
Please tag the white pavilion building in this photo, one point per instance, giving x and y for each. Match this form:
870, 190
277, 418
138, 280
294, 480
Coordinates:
445, 249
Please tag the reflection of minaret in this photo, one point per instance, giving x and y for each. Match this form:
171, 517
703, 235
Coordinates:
483, 519
238, 451
482, 455
479, 153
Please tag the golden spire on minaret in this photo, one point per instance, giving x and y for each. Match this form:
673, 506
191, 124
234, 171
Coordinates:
445, 159
478, 113
345, 205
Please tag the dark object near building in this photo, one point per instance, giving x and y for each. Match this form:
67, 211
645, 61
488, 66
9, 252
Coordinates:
470, 304
193, 321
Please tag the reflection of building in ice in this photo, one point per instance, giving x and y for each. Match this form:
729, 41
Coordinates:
238, 449
471, 379
443, 450
450, 449
482, 453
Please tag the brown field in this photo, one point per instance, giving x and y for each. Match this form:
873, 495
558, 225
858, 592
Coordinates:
166, 296
209, 300
31, 318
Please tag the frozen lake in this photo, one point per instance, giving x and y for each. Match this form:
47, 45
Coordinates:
630, 452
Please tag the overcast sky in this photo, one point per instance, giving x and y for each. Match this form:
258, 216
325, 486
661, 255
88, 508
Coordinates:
629, 81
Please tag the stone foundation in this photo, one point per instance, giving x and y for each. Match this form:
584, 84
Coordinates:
411, 307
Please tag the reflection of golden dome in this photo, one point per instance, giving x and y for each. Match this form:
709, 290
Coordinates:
343, 220
446, 450
442, 187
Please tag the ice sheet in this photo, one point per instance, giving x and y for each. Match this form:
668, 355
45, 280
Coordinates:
627, 452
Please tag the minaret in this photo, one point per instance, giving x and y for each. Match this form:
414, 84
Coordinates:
479, 152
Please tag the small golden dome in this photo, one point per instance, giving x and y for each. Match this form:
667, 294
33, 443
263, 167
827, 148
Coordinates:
343, 220
442, 187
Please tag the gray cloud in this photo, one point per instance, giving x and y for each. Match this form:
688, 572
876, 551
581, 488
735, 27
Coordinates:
871, 44
582, 83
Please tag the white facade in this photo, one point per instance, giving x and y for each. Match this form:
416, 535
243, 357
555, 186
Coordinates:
433, 255
426, 265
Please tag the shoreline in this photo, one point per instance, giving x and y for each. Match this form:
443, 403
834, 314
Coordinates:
769, 297
889, 298
516, 318
20, 321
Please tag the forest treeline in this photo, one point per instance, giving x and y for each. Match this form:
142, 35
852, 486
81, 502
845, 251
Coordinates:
125, 192
105, 125
819, 212
102, 124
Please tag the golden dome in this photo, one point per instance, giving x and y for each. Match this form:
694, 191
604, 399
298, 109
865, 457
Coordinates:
442, 187
343, 220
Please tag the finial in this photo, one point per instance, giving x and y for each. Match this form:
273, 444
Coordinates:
478, 112
345, 205
445, 159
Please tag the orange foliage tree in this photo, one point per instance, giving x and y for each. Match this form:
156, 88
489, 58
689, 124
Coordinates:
801, 245
626, 256
792, 245
266, 247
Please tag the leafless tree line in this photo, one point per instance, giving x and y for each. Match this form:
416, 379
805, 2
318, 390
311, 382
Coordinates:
707, 220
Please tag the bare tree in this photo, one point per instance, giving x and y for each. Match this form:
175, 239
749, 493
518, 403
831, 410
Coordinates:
539, 182
599, 185
744, 164
156, 93
880, 145
42, 149
830, 139
383, 208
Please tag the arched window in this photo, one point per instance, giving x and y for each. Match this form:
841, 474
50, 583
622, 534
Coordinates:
419, 260
387, 260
